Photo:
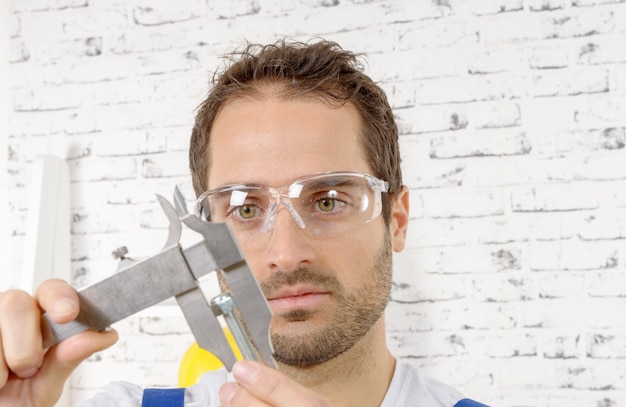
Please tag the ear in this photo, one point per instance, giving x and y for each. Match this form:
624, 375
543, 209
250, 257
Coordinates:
399, 218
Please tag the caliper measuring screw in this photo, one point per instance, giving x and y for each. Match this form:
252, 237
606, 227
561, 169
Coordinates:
120, 253
224, 304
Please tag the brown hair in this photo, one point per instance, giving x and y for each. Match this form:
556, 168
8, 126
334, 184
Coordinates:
322, 69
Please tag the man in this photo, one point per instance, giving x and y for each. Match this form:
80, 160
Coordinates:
311, 144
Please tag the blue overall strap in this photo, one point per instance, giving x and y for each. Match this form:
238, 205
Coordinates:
469, 403
163, 398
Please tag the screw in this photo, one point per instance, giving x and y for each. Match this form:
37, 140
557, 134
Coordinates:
120, 253
224, 304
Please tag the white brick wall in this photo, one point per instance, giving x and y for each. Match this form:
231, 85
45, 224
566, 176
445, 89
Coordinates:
513, 121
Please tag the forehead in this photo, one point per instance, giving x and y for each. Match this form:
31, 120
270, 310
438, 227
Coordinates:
274, 140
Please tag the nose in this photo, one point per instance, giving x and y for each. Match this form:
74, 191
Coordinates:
288, 247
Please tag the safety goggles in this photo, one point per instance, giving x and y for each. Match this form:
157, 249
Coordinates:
326, 204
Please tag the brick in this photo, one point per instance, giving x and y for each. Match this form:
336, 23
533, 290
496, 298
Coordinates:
510, 28
568, 314
48, 98
413, 317
429, 289
470, 259
551, 285
142, 350
503, 344
500, 316
176, 138
165, 165
15, 25
599, 112
567, 82
419, 171
44, 5
497, 59
428, 232
602, 50
445, 204
480, 143
159, 14
600, 167
428, 174
503, 289
548, 114
546, 5
603, 225
551, 55
55, 50
130, 142
458, 89
423, 64
498, 229
584, 376
73, 22
112, 219
238, 8
556, 142
421, 344
437, 33
480, 8
400, 94
606, 345
619, 79
556, 197
607, 283
614, 194
465, 115
569, 24
564, 345
99, 169
573, 256
587, 3
499, 171
18, 51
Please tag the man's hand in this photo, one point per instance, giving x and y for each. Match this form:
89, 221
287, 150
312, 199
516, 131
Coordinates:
29, 374
260, 385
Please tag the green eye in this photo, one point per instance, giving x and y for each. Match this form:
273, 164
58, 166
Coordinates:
247, 211
326, 204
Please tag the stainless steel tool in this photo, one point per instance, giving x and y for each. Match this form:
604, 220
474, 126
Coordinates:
174, 272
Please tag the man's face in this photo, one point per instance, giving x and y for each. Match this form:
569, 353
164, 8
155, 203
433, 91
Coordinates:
325, 292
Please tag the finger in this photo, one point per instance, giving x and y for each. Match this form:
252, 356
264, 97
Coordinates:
58, 299
273, 387
228, 394
62, 359
4, 370
20, 332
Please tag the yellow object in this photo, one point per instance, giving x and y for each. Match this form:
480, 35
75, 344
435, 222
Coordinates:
197, 361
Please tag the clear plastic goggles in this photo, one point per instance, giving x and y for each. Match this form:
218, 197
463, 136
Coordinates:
322, 205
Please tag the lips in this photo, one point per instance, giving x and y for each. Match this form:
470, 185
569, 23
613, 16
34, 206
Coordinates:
300, 297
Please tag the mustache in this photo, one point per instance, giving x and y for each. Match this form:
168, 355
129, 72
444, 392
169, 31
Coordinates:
310, 276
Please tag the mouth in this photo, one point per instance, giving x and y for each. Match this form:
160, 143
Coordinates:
297, 298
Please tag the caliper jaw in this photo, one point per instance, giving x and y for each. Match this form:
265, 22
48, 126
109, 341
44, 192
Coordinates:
175, 272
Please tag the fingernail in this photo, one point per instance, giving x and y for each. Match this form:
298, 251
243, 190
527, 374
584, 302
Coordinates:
246, 372
63, 308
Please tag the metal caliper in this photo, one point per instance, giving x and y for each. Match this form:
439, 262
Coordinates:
174, 272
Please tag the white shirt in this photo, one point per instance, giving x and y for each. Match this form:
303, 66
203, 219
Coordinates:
408, 387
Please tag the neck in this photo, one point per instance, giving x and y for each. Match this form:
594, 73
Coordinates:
358, 377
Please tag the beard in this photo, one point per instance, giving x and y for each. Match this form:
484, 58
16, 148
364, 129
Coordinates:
354, 314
